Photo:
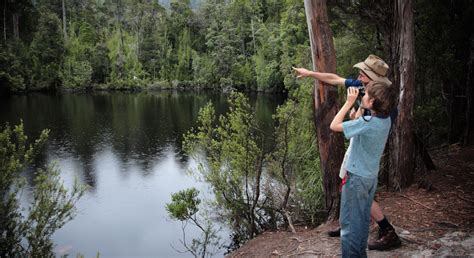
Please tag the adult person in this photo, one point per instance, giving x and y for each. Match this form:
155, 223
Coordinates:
373, 68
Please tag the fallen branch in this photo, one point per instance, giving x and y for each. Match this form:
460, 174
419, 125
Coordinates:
417, 202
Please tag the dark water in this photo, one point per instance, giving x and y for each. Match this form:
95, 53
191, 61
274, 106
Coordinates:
127, 148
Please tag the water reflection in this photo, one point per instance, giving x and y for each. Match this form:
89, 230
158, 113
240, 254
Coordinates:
127, 148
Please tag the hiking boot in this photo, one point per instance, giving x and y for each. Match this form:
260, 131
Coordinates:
387, 239
335, 232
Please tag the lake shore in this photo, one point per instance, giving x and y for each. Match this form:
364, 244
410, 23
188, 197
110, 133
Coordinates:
433, 217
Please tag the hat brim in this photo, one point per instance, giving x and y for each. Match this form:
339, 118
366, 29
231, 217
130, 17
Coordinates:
373, 76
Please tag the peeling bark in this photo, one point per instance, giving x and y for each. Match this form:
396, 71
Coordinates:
325, 104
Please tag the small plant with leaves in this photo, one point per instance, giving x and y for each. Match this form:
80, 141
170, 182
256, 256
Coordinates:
184, 207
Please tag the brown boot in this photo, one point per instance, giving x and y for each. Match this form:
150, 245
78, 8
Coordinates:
387, 239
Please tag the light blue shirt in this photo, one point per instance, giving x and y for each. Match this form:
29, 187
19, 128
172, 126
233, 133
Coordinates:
367, 144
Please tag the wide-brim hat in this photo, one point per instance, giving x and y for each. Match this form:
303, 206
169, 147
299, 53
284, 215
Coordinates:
375, 68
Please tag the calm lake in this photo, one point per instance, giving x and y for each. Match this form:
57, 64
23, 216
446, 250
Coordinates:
127, 148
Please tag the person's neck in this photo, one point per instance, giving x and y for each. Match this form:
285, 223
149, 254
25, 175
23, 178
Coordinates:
373, 113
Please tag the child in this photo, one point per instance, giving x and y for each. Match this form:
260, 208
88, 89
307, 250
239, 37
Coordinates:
369, 135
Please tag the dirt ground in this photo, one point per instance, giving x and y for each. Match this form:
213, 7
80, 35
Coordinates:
433, 217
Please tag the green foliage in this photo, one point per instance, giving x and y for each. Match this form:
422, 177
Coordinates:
180, 17
443, 53
183, 67
267, 58
250, 197
52, 206
244, 72
431, 121
47, 49
77, 70
203, 69
126, 70
155, 48
184, 207
295, 42
100, 63
76, 74
296, 159
126, 44
12, 70
233, 163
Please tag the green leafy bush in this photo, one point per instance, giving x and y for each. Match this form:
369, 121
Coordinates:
27, 233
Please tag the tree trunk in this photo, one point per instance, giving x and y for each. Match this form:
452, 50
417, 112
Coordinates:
64, 20
468, 122
5, 21
401, 149
16, 25
325, 104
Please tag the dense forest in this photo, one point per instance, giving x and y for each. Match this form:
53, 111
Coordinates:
248, 45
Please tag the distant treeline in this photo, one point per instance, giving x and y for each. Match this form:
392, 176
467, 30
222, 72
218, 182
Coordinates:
245, 44
133, 44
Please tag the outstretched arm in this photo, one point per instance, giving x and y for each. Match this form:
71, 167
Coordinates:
329, 78
336, 124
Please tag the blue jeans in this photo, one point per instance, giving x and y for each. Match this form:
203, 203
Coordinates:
356, 200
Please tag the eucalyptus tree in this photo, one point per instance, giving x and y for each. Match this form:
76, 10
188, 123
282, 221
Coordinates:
325, 105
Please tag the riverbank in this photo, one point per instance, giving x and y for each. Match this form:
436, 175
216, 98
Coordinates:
434, 217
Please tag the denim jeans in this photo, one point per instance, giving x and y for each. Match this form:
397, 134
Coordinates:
356, 200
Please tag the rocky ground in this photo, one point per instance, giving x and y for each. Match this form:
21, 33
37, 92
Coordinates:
433, 217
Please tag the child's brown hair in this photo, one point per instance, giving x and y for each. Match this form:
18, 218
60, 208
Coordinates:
384, 96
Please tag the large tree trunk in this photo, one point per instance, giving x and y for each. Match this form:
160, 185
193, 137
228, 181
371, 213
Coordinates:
401, 147
331, 145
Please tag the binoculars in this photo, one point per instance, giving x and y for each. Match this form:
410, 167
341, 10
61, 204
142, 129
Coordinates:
361, 90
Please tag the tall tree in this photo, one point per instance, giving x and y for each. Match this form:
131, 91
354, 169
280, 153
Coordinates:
331, 145
394, 27
401, 143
